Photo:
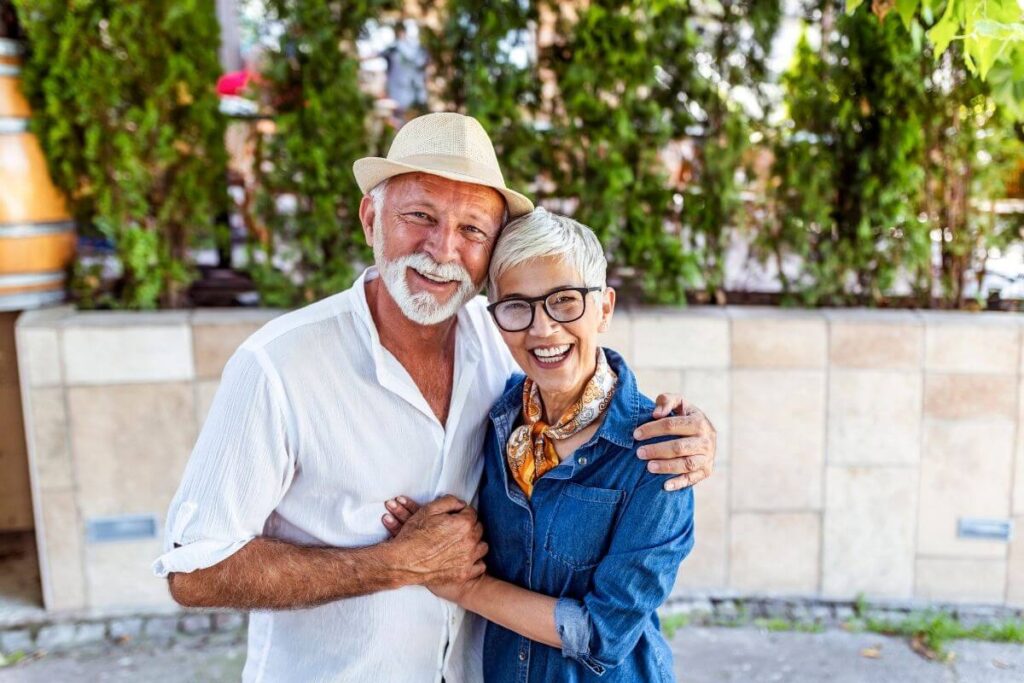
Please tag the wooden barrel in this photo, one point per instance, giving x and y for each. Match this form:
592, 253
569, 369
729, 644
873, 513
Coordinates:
37, 235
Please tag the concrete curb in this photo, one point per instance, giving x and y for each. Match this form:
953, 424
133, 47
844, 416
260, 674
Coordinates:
52, 632
57, 631
731, 608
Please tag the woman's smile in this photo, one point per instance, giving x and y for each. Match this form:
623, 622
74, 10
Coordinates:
552, 355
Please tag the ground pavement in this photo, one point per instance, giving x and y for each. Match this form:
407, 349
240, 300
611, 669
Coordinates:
703, 655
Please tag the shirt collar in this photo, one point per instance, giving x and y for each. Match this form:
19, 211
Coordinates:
620, 420
621, 417
466, 338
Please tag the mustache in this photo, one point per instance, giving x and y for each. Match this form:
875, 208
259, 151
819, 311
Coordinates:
428, 266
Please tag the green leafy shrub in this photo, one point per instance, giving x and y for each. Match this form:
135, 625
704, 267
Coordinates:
126, 113
848, 169
970, 152
604, 132
885, 153
989, 35
475, 74
320, 115
735, 37
583, 126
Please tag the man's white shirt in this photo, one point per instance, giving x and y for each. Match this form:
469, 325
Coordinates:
315, 424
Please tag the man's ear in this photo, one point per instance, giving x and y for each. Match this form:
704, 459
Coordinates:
367, 213
607, 308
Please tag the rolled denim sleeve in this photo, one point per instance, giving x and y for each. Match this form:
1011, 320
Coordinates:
239, 470
653, 536
573, 626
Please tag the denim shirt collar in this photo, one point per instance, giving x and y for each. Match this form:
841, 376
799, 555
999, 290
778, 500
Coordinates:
620, 420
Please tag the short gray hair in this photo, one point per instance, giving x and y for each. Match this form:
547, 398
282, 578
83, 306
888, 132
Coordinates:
377, 193
541, 233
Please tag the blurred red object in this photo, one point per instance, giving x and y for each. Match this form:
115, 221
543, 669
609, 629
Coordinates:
234, 83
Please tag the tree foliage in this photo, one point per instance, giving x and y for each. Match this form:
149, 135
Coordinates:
125, 110
990, 32
584, 125
320, 113
731, 40
880, 168
970, 151
847, 169
475, 73
603, 131
872, 190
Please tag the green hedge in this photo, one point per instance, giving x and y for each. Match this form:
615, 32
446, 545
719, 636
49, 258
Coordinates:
875, 155
125, 110
321, 117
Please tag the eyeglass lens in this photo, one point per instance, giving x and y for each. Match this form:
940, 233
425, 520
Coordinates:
563, 306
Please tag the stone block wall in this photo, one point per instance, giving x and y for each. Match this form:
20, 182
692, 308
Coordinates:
113, 402
851, 443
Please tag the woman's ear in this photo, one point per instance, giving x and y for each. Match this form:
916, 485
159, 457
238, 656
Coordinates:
607, 308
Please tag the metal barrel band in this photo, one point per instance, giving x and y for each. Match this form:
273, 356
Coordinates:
12, 124
52, 277
24, 300
16, 230
11, 48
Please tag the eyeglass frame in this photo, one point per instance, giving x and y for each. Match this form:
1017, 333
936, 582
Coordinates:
543, 299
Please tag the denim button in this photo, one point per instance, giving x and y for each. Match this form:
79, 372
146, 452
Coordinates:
522, 656
582, 460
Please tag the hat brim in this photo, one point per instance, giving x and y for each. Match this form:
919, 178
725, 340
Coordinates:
370, 171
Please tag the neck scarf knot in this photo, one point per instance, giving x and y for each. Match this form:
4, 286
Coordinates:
531, 447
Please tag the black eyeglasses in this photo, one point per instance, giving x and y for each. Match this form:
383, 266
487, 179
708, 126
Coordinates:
562, 305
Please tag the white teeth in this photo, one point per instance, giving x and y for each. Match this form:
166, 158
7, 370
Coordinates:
433, 278
551, 353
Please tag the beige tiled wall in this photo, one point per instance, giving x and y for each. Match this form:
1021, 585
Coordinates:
113, 406
850, 443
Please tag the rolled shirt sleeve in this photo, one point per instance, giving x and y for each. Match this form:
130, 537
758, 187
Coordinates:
654, 535
238, 472
573, 626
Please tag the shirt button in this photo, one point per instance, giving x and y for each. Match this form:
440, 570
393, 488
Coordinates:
582, 460
522, 656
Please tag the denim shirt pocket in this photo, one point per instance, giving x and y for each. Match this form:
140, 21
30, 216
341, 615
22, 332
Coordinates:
581, 525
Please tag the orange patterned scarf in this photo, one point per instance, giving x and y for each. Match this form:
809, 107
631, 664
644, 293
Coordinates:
531, 447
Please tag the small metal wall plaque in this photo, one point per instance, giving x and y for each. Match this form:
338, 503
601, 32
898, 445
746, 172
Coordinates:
122, 528
985, 529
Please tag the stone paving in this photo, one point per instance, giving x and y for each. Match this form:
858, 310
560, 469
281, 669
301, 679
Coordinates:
703, 655
748, 655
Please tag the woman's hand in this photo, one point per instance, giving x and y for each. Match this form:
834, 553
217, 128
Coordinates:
400, 509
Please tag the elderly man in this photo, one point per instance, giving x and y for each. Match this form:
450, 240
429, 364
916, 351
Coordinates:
330, 410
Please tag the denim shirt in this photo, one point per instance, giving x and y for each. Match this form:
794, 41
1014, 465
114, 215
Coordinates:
600, 534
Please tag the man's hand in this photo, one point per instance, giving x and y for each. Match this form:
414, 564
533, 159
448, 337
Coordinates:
440, 542
402, 510
692, 455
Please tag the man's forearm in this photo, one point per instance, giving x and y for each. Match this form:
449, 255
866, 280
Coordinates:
272, 574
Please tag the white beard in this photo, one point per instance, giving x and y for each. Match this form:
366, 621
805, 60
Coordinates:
422, 308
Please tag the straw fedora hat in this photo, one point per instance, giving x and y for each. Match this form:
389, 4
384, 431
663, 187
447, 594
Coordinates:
449, 145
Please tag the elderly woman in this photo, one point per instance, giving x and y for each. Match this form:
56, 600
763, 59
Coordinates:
584, 543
